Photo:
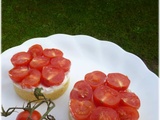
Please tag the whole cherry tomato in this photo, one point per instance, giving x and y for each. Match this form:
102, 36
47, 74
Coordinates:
24, 115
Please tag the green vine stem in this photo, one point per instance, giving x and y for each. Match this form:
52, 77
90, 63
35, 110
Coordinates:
41, 99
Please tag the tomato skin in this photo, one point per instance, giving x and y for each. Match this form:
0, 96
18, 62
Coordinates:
61, 63
81, 91
25, 114
81, 110
106, 96
17, 74
127, 113
52, 52
35, 50
38, 62
104, 113
52, 76
95, 78
21, 59
32, 80
130, 99
117, 81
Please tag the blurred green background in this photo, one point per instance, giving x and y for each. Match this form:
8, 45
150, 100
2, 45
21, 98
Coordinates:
132, 24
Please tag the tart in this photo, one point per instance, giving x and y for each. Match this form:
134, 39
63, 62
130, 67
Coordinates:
43, 68
102, 97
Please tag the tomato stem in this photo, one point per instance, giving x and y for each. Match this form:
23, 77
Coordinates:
41, 99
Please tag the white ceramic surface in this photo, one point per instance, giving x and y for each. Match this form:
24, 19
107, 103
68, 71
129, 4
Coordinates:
87, 54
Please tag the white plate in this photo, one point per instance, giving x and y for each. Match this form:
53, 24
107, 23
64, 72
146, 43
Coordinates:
87, 54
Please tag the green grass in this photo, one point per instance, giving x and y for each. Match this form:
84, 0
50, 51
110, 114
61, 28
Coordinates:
132, 24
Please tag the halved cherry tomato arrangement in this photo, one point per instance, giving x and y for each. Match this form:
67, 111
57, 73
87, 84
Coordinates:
37, 65
102, 97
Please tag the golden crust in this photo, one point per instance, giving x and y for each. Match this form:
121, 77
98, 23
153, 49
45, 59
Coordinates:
29, 96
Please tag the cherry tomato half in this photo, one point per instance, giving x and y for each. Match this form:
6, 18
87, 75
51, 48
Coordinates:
130, 99
24, 115
17, 74
81, 91
39, 61
127, 113
52, 76
104, 113
32, 80
118, 81
52, 52
95, 78
81, 110
36, 50
61, 63
21, 59
106, 96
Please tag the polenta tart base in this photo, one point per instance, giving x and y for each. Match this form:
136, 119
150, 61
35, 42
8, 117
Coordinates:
29, 95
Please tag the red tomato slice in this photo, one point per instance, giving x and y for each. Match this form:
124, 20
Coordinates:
81, 91
21, 59
118, 81
36, 50
106, 96
32, 80
61, 63
95, 78
17, 74
104, 113
24, 115
130, 99
39, 61
127, 113
52, 52
52, 76
81, 110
